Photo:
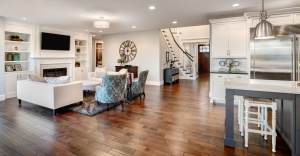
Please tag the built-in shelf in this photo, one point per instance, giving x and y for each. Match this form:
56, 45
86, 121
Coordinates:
81, 46
17, 51
80, 53
53, 57
23, 71
17, 61
81, 60
8, 41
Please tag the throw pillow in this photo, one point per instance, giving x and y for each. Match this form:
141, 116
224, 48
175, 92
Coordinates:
36, 78
123, 71
57, 80
99, 74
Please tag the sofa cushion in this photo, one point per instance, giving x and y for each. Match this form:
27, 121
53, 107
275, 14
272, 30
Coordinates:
99, 74
123, 71
35, 78
57, 80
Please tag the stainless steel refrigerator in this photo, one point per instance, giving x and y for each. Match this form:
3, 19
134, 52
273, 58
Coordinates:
276, 58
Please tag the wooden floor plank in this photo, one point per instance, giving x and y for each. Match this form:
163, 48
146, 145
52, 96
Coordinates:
173, 120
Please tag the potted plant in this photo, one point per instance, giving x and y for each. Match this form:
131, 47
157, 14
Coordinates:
77, 64
121, 60
15, 38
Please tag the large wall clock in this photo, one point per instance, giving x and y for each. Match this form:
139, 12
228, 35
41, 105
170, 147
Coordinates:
128, 50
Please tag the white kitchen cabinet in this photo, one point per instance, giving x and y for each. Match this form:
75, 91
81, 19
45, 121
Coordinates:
217, 89
219, 40
81, 74
296, 18
229, 39
11, 79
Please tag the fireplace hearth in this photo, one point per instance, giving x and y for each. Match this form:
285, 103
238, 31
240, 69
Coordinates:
55, 72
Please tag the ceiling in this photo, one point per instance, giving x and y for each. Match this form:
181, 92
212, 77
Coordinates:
79, 15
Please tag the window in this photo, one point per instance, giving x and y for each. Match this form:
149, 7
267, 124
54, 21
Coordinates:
203, 48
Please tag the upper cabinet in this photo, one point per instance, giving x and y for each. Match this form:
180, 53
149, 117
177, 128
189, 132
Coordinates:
296, 18
229, 39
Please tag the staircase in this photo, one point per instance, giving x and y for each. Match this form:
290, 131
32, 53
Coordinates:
183, 60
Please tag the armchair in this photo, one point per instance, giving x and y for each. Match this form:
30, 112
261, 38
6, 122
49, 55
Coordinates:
138, 85
112, 89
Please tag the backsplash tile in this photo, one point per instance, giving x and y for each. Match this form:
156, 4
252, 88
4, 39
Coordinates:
214, 64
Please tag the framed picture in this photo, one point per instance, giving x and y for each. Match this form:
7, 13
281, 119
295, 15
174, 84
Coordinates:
18, 67
9, 68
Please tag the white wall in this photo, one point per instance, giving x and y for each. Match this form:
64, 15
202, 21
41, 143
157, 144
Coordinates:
2, 58
163, 48
148, 52
195, 33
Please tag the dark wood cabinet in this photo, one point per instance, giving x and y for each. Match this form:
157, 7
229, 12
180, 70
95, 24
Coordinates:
171, 75
132, 69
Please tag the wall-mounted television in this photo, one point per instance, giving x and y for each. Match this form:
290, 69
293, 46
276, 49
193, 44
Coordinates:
55, 42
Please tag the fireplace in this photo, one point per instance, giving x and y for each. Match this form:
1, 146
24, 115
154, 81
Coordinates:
55, 72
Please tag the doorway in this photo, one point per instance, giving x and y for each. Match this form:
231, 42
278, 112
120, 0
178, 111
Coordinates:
203, 58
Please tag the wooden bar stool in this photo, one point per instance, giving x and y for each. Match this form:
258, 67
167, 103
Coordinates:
265, 130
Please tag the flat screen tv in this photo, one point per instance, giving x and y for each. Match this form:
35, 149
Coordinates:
55, 42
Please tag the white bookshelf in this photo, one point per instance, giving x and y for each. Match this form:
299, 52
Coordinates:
23, 48
81, 52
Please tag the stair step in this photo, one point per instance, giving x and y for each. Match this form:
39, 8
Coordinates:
175, 57
165, 35
167, 40
169, 44
191, 76
179, 63
184, 69
181, 66
187, 73
163, 31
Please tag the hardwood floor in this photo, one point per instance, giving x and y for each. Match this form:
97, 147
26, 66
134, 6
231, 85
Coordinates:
172, 120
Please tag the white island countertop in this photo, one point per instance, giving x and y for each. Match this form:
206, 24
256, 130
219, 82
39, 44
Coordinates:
263, 85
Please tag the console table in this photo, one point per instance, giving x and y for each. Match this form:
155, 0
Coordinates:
171, 75
132, 69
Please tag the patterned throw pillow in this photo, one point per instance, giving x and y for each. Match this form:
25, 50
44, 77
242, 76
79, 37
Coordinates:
57, 80
36, 78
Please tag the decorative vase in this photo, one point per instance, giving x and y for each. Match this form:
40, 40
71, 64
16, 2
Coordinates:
16, 57
16, 48
9, 57
77, 64
78, 50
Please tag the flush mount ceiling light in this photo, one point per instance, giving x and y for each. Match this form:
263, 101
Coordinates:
133, 27
264, 29
100, 31
101, 23
152, 7
235, 5
174, 22
24, 19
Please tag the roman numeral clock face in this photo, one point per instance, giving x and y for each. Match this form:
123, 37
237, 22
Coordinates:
128, 50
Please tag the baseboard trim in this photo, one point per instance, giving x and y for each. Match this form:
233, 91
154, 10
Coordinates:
2, 97
154, 83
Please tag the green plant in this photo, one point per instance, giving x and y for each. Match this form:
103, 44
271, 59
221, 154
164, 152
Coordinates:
230, 65
14, 36
121, 60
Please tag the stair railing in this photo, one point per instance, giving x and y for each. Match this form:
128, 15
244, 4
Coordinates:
190, 57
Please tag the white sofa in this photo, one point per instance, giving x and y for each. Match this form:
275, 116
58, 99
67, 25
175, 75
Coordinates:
49, 95
91, 75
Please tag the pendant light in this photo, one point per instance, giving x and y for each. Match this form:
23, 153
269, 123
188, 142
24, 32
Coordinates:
264, 29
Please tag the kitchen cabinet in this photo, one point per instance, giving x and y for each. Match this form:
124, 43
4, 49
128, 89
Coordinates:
296, 18
11, 79
81, 74
217, 89
229, 39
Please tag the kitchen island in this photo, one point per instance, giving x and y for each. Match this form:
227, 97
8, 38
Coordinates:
287, 95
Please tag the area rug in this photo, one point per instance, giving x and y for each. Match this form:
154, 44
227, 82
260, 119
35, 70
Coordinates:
90, 107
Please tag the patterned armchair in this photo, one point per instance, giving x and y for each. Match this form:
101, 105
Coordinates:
138, 85
112, 89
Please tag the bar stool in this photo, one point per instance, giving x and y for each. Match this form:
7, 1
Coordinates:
265, 130
241, 110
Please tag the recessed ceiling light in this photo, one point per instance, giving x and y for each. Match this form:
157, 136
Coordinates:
86, 30
152, 7
24, 19
133, 27
100, 31
236, 5
174, 22
93, 35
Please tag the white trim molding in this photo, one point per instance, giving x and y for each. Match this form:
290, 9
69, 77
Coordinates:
154, 83
2, 97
